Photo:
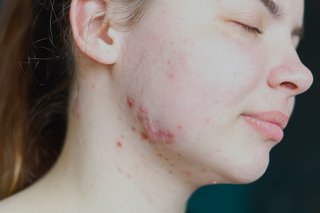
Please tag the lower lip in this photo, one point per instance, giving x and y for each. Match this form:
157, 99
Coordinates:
265, 128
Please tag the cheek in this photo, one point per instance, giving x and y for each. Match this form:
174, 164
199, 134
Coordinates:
184, 85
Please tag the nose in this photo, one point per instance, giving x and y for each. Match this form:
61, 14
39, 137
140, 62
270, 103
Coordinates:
291, 75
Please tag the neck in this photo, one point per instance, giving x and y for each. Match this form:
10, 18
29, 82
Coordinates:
109, 164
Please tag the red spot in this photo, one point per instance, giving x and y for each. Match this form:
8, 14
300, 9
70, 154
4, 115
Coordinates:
93, 86
130, 102
208, 120
133, 129
119, 144
150, 131
143, 110
164, 136
144, 136
179, 127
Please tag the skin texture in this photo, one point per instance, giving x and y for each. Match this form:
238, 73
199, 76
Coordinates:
158, 111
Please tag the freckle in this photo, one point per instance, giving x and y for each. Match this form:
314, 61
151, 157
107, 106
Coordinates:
179, 127
170, 171
208, 120
172, 165
93, 86
204, 170
130, 102
133, 129
179, 154
167, 159
119, 170
160, 155
128, 175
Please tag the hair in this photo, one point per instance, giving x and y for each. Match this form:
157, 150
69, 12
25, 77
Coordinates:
36, 77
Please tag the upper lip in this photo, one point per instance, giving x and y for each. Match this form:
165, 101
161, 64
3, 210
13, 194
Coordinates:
275, 117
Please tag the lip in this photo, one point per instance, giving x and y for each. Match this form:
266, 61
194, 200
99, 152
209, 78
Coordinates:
268, 124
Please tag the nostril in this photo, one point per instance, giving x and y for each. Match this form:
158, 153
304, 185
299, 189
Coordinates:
289, 85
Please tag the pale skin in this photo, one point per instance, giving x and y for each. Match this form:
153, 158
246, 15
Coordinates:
158, 110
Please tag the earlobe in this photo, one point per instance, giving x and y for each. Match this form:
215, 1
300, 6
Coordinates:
92, 31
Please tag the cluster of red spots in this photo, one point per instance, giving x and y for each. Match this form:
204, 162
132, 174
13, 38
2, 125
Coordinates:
150, 133
164, 136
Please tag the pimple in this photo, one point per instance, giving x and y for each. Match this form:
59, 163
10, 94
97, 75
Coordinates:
144, 136
119, 144
130, 102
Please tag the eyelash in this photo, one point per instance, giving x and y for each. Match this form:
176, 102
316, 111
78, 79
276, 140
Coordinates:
250, 29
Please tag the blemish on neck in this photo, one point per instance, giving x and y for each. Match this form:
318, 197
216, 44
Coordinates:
131, 102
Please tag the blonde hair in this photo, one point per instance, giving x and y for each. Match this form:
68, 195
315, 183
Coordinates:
36, 75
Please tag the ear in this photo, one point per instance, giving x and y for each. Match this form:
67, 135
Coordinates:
92, 31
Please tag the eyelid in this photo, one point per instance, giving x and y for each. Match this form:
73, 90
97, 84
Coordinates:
248, 27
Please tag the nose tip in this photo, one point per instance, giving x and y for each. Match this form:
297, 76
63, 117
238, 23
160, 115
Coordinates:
292, 76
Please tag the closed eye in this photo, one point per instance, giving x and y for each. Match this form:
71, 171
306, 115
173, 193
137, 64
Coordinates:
248, 28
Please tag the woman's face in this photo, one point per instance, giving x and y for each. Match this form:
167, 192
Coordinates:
211, 83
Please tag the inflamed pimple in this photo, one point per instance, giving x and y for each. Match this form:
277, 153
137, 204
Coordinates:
150, 132
130, 102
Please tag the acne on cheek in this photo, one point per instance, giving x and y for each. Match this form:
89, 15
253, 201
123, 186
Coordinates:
150, 132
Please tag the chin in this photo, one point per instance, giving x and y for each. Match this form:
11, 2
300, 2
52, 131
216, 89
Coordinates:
246, 173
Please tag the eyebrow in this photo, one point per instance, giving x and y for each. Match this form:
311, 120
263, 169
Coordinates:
276, 12
273, 8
